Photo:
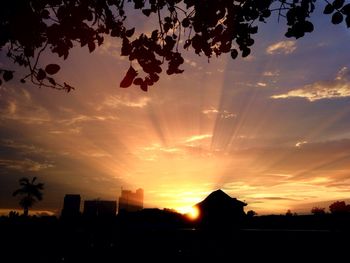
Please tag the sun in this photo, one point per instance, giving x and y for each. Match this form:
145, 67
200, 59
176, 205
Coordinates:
193, 213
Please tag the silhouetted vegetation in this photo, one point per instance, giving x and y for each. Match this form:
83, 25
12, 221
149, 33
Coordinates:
318, 211
290, 213
154, 235
223, 233
251, 213
30, 192
339, 208
209, 28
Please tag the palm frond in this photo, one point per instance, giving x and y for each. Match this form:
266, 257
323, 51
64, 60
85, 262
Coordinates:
17, 192
40, 186
24, 181
30, 189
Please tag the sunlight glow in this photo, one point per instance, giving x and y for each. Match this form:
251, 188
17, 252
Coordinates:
192, 213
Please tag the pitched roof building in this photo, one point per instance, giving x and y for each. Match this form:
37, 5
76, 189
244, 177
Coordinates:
220, 210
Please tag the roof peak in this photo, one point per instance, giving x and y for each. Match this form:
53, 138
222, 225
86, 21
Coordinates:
221, 195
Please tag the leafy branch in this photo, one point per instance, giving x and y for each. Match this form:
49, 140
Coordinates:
205, 26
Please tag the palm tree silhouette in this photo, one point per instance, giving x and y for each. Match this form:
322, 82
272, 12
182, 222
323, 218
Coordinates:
31, 193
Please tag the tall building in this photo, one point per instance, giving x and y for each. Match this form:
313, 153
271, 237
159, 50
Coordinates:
71, 205
102, 208
131, 202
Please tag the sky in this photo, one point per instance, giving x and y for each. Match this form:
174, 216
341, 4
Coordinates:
272, 129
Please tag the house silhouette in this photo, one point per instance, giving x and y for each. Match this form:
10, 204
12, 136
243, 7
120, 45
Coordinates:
219, 210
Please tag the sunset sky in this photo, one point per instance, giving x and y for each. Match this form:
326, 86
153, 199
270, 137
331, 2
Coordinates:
272, 129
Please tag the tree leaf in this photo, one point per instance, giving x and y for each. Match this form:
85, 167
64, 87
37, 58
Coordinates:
138, 81
337, 18
92, 46
266, 13
52, 69
346, 9
154, 77
8, 75
144, 87
329, 9
250, 42
129, 78
308, 26
253, 29
185, 22
146, 12
52, 81
246, 52
234, 53
130, 32
347, 20
338, 4
41, 74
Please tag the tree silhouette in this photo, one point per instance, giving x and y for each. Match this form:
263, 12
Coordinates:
30, 192
289, 213
339, 207
212, 28
318, 211
251, 213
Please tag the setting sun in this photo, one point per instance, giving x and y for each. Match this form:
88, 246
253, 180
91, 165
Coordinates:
193, 213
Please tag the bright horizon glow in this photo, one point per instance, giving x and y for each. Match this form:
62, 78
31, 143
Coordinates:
190, 212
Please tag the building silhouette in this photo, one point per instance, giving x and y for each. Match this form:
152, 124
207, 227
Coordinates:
100, 208
219, 210
71, 205
131, 202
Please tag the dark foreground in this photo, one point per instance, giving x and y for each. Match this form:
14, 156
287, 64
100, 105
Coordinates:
51, 240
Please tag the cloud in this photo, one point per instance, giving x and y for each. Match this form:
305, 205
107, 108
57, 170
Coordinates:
239, 186
182, 149
343, 74
84, 118
111, 47
191, 63
224, 114
22, 147
299, 144
210, 111
275, 198
261, 84
155, 151
19, 156
198, 137
17, 105
271, 73
75, 130
282, 47
227, 115
337, 88
24, 165
97, 154
118, 101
